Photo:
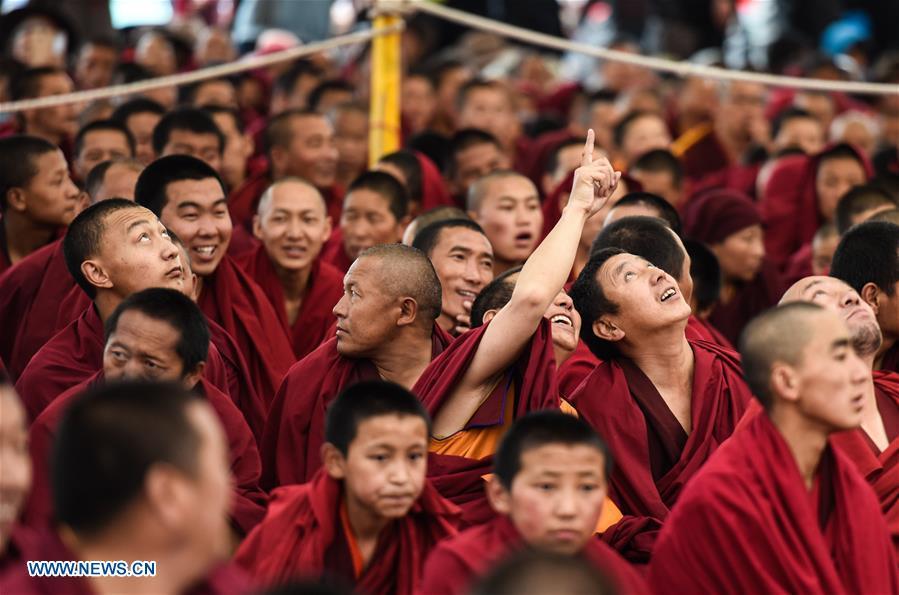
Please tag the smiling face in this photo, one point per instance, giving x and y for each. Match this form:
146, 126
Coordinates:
556, 498
648, 298
463, 259
311, 154
197, 211
293, 226
367, 221
511, 217
384, 469
15, 464
136, 253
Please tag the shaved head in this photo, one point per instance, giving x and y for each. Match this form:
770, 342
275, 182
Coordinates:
407, 272
838, 297
779, 335
288, 185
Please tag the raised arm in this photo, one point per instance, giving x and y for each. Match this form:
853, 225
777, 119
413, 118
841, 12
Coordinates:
543, 276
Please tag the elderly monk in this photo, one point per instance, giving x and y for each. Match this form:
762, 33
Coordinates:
188, 196
874, 447
163, 497
292, 224
524, 328
386, 328
663, 401
804, 518
157, 334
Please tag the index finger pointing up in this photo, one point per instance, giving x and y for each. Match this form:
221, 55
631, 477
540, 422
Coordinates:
587, 155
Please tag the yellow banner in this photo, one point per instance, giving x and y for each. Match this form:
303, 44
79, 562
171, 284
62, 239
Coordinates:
384, 114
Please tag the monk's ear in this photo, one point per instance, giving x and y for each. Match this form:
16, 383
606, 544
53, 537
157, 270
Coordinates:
191, 379
607, 330
95, 274
167, 495
333, 461
257, 227
408, 312
489, 315
498, 496
16, 199
785, 382
473, 215
278, 157
249, 146
871, 294
327, 228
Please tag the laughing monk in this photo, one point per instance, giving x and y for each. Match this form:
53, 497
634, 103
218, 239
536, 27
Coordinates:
386, 328
663, 402
778, 509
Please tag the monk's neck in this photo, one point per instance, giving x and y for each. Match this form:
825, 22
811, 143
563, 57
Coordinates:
294, 283
366, 526
446, 322
887, 344
667, 361
24, 236
872, 421
805, 439
106, 302
404, 358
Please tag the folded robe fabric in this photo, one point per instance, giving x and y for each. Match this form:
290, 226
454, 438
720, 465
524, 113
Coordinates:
250, 500
533, 374
315, 316
233, 300
303, 523
747, 523
457, 562
654, 457
295, 428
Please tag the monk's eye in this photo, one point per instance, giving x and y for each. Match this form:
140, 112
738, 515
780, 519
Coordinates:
416, 456
546, 487
144, 237
629, 275
379, 458
589, 487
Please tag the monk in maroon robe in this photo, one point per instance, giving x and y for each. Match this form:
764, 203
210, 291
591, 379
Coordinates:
166, 329
541, 448
370, 517
166, 441
189, 197
874, 447
37, 196
663, 402
385, 329
112, 249
292, 225
778, 508
525, 326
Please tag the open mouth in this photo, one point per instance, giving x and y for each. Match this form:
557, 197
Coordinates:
205, 252
468, 295
562, 319
294, 251
668, 294
524, 236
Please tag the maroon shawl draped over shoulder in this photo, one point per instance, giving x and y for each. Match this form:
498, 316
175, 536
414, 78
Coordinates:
303, 521
233, 300
459, 561
315, 317
534, 377
747, 524
295, 428
654, 457
250, 500
890, 361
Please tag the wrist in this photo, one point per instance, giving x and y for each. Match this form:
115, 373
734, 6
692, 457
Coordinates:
575, 210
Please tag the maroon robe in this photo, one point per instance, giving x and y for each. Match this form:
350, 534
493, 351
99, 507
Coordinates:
654, 457
233, 300
303, 535
315, 318
23, 543
748, 524
250, 500
334, 254
531, 381
433, 189
750, 300
224, 579
295, 428
701, 152
457, 562
73, 355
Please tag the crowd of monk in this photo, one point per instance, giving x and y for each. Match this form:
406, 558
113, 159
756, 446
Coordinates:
627, 355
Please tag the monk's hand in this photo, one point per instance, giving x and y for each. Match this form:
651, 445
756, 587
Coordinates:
594, 181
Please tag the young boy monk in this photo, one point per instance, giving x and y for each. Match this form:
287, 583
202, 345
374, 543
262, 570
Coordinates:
369, 517
777, 509
549, 484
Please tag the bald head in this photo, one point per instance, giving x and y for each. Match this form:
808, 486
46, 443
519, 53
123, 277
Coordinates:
779, 335
838, 297
284, 190
406, 271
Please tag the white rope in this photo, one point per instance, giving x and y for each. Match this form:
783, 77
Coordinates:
197, 75
682, 69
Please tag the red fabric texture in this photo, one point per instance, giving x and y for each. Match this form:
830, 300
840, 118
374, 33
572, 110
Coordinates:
295, 428
433, 189
302, 523
315, 318
745, 525
250, 500
705, 156
456, 563
534, 376
607, 402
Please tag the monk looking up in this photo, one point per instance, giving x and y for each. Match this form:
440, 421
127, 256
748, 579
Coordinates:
370, 517
385, 329
293, 225
189, 197
806, 518
667, 401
